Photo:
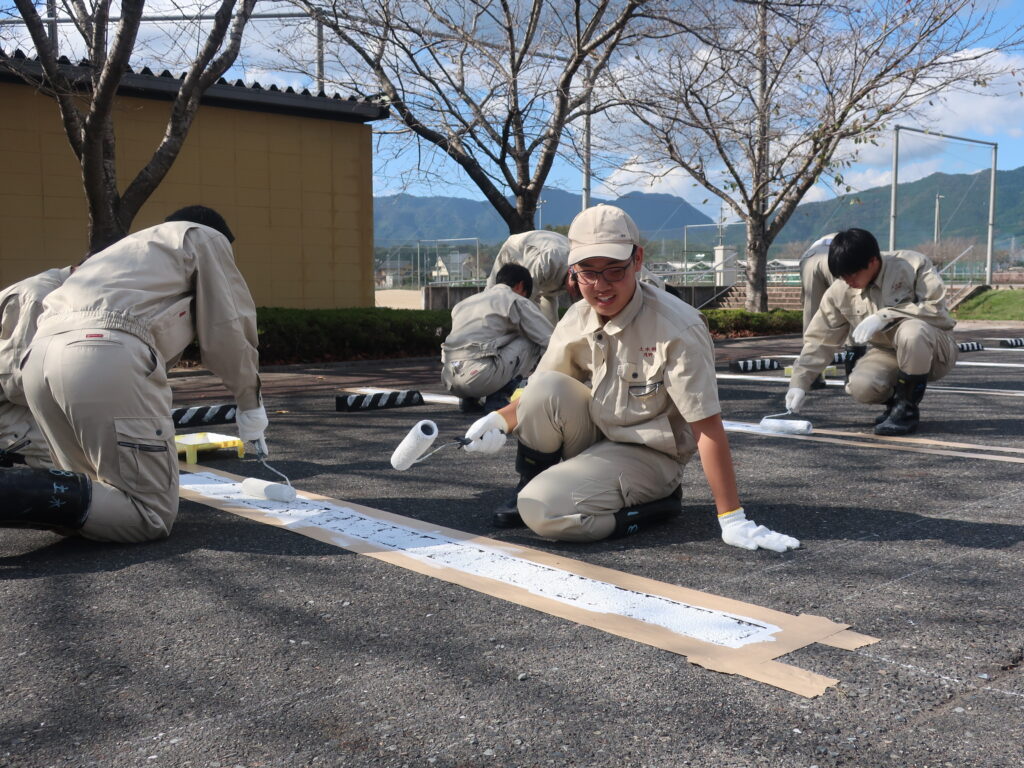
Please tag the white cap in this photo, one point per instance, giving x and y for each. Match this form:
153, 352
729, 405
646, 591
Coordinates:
602, 231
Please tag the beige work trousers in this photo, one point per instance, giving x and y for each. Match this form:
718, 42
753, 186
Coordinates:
813, 284
919, 348
485, 376
575, 500
16, 425
103, 403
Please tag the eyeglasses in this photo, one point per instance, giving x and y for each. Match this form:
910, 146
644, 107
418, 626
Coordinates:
610, 274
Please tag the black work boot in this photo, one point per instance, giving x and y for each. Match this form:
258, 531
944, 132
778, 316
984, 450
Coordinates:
630, 520
470, 405
852, 353
888, 410
819, 382
9, 456
51, 499
529, 464
904, 415
498, 400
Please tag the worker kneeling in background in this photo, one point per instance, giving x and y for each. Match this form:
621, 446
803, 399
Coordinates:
893, 303
497, 338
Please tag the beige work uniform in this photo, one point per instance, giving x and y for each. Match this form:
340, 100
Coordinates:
616, 400
95, 375
20, 307
815, 277
496, 335
910, 295
546, 257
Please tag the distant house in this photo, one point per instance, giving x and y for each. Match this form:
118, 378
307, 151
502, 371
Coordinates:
391, 273
453, 267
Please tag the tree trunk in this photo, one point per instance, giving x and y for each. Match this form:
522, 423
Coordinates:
757, 266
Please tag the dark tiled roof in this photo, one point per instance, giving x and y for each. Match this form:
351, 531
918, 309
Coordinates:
233, 95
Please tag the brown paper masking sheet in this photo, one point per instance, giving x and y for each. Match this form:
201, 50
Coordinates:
714, 632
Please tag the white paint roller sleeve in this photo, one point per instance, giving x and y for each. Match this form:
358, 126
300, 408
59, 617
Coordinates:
415, 444
787, 426
264, 489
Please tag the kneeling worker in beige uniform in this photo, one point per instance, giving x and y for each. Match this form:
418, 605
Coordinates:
497, 338
893, 302
95, 378
622, 399
20, 307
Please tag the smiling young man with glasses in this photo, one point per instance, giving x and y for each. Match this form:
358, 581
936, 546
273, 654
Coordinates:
622, 399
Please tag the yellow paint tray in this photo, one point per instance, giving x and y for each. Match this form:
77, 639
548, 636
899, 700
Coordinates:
192, 444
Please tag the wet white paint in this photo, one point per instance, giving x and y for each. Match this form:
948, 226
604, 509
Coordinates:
710, 626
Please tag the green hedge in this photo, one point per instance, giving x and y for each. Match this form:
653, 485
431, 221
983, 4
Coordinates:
369, 333
739, 322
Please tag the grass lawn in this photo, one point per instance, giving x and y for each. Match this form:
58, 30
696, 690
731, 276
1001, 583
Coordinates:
993, 305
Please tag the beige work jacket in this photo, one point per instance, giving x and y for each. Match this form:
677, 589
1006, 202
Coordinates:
545, 254
651, 369
906, 286
21, 305
485, 322
167, 285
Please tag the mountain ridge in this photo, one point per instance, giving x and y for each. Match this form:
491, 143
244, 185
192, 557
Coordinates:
964, 212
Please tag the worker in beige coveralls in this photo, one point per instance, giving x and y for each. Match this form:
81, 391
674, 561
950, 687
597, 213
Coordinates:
20, 306
620, 402
893, 302
546, 255
95, 378
497, 337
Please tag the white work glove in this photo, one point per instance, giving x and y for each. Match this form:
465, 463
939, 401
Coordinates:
795, 399
487, 434
867, 328
740, 532
251, 426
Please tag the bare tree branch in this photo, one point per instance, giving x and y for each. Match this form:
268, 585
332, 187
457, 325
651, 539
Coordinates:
758, 99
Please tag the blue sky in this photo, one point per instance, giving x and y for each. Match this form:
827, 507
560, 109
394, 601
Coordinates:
997, 116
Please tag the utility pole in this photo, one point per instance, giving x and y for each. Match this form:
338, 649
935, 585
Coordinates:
938, 208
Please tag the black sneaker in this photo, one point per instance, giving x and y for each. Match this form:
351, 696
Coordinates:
470, 405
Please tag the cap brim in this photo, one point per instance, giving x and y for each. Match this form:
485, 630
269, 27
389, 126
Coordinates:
615, 251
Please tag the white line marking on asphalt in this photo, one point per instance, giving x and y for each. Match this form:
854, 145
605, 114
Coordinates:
708, 625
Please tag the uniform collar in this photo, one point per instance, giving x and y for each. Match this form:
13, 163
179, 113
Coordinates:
592, 323
884, 259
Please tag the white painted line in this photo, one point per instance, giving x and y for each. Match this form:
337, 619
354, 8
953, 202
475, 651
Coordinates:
834, 383
958, 362
990, 365
707, 625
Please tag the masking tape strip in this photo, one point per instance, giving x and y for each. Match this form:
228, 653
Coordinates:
715, 632
863, 442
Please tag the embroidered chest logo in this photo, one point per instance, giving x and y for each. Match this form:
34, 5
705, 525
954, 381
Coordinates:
647, 352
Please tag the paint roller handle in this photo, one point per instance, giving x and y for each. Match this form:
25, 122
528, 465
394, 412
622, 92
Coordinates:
795, 399
487, 434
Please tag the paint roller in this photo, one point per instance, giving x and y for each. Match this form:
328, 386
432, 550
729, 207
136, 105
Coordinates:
786, 426
268, 489
415, 445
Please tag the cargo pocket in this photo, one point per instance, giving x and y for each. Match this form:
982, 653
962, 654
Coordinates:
146, 461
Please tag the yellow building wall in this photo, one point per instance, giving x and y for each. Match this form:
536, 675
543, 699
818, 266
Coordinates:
297, 192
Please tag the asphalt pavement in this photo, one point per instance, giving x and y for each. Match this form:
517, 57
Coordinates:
235, 643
